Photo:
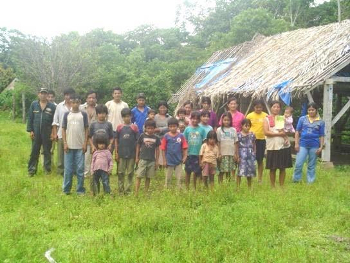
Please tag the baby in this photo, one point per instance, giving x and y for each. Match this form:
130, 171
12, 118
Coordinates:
288, 120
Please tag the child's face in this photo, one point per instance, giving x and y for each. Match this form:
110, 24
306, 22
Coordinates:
151, 116
117, 95
75, 104
205, 106
287, 112
173, 128
232, 106
205, 119
101, 116
246, 128
149, 130
226, 121
211, 141
195, 121
182, 127
141, 102
127, 119
162, 110
181, 116
258, 108
51, 98
101, 146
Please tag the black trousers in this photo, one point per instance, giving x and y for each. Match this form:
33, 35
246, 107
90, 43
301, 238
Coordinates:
44, 140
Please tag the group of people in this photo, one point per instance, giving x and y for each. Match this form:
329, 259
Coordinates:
141, 139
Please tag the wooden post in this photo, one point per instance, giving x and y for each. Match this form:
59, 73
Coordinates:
13, 105
327, 117
23, 107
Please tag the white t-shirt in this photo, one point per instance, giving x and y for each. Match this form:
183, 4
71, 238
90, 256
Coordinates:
114, 112
75, 124
227, 138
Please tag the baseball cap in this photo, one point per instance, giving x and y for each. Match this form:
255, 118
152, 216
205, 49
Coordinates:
44, 90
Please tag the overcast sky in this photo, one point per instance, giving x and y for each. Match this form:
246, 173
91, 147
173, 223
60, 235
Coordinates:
48, 18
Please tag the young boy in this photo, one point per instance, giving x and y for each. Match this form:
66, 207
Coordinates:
125, 151
51, 96
140, 112
181, 116
101, 126
205, 116
75, 136
174, 152
206, 106
194, 135
151, 115
257, 118
147, 155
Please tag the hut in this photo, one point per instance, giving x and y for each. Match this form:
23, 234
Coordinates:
312, 63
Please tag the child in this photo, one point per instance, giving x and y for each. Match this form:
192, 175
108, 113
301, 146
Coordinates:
208, 157
140, 112
147, 154
125, 145
246, 150
257, 118
75, 136
101, 165
101, 126
206, 106
227, 137
174, 152
288, 120
151, 115
182, 126
205, 116
51, 96
181, 116
194, 135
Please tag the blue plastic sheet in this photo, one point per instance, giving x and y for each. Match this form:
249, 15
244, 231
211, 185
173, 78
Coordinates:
213, 70
283, 92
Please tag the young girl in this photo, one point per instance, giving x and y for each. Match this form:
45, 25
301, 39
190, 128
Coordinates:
208, 157
246, 150
227, 137
101, 165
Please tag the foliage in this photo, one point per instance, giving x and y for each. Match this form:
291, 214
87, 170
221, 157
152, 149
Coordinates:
6, 76
302, 223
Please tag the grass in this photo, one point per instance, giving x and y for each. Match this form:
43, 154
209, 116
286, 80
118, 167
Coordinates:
302, 223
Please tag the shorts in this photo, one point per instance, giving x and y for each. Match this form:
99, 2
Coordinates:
146, 169
192, 165
227, 164
260, 150
208, 169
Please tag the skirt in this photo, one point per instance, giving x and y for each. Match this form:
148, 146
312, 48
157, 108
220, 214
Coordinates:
279, 159
227, 164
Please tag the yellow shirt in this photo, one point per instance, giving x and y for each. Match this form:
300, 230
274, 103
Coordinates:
257, 124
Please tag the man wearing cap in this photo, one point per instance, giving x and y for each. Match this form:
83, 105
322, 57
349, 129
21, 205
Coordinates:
140, 112
40, 118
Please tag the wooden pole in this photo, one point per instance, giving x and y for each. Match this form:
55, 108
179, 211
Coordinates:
327, 117
339, 12
23, 107
13, 105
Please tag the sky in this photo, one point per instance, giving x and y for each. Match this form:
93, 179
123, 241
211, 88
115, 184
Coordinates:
49, 18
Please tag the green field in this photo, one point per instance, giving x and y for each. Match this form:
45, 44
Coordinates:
301, 223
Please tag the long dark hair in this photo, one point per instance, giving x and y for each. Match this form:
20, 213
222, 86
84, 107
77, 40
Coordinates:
226, 114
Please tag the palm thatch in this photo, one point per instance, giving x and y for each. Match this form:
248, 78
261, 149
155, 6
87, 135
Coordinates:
302, 58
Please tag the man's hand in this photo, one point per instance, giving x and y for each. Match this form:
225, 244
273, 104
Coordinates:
319, 150
65, 147
84, 148
93, 149
32, 135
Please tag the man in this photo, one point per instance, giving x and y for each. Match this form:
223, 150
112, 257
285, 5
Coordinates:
41, 114
140, 112
115, 107
61, 109
90, 108
51, 96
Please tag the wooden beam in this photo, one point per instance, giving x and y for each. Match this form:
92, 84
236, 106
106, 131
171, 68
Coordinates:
341, 79
309, 97
341, 112
23, 107
250, 104
327, 117
267, 106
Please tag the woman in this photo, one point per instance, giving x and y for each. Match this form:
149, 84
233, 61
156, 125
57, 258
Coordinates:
188, 106
277, 146
161, 120
237, 117
309, 141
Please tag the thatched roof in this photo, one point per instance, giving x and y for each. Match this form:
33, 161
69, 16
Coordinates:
301, 59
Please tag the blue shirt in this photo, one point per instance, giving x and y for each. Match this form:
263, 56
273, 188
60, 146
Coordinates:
207, 128
139, 117
310, 133
194, 137
173, 146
